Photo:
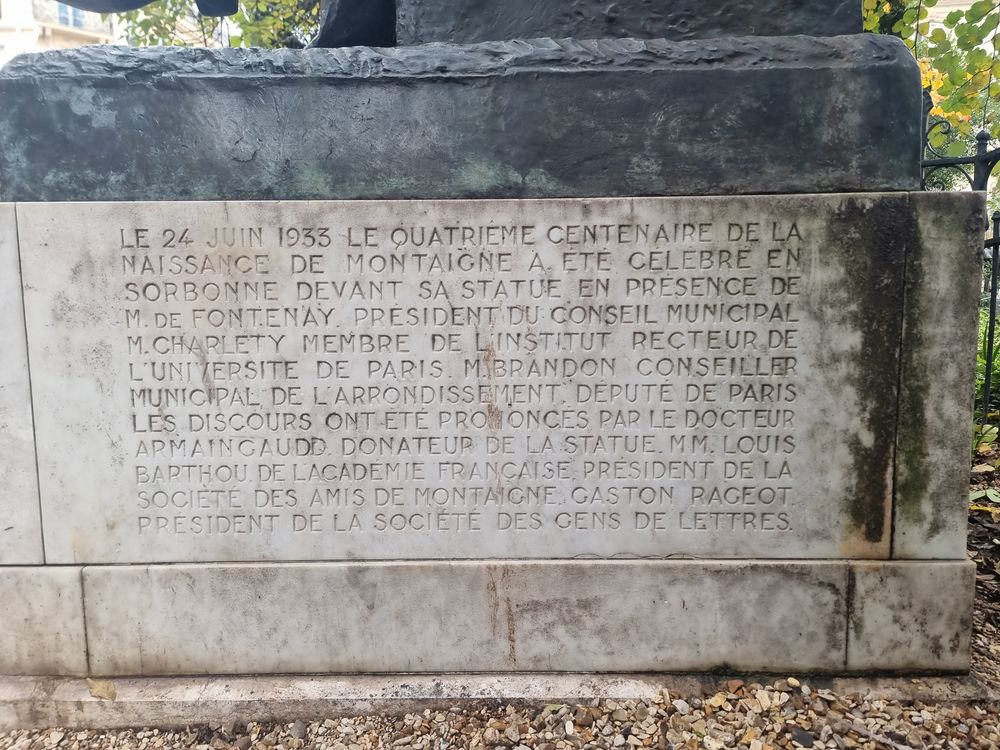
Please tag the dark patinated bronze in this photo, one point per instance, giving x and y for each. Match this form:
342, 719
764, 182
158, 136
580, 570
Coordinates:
205, 7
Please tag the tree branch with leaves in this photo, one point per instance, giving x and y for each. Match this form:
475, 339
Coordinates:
958, 59
258, 23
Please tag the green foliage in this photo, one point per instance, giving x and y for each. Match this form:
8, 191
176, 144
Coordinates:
981, 364
276, 23
166, 22
959, 62
959, 139
989, 494
983, 434
259, 23
889, 14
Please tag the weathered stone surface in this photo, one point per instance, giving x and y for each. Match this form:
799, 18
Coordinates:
45, 702
511, 119
352, 23
911, 616
20, 533
449, 413
42, 631
939, 351
465, 21
381, 617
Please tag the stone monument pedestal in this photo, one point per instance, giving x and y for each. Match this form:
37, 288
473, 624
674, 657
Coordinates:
403, 360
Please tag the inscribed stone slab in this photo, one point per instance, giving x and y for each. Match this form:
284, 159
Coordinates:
911, 616
406, 617
20, 533
42, 632
943, 274
468, 379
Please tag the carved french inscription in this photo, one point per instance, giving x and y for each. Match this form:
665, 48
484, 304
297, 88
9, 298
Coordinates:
525, 379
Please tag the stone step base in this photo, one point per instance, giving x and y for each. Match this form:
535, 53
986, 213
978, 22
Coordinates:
42, 702
488, 616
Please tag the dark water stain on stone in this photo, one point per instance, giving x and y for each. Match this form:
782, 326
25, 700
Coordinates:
914, 478
511, 633
871, 236
911, 450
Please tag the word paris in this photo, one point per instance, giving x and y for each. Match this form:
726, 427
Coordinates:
646, 377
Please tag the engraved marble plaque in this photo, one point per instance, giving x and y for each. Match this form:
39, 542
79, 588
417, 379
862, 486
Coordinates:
613, 378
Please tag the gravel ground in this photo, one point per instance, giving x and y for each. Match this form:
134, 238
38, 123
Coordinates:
785, 714
984, 549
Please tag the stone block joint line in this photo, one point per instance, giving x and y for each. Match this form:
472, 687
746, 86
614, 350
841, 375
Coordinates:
31, 399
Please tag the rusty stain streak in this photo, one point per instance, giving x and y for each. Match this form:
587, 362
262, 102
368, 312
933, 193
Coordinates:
493, 591
494, 417
511, 632
494, 600
489, 359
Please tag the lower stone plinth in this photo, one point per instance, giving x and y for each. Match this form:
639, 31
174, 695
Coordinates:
485, 616
41, 629
909, 616
466, 616
43, 702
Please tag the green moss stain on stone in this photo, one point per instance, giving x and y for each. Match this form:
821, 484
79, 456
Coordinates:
540, 182
912, 452
939, 324
484, 178
311, 180
870, 237
490, 179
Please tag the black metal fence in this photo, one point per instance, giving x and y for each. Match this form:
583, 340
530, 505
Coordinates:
992, 255
976, 170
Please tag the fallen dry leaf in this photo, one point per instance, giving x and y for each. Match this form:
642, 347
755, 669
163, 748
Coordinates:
103, 689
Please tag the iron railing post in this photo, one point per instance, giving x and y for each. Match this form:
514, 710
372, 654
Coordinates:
991, 325
981, 168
